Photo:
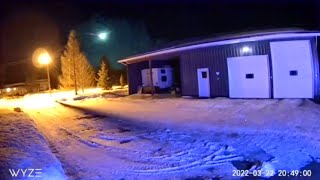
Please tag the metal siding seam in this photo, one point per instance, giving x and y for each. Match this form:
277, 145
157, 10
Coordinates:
219, 57
237, 49
199, 65
191, 80
183, 62
183, 59
224, 67
221, 70
217, 68
213, 69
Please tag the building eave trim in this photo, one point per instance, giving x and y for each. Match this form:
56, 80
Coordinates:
218, 43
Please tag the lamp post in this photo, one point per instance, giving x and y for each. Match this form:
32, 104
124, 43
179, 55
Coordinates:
45, 59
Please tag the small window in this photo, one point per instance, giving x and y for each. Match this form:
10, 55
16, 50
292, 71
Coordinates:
204, 74
249, 76
164, 78
163, 71
294, 73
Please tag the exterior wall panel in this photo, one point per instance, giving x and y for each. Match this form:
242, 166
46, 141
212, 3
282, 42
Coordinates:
134, 75
214, 58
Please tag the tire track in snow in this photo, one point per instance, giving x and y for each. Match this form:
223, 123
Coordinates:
206, 161
171, 161
178, 152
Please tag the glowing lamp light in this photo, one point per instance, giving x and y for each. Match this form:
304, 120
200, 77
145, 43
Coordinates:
14, 89
44, 58
246, 49
8, 89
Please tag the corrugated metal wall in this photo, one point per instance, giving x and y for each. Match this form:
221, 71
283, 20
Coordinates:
134, 75
214, 58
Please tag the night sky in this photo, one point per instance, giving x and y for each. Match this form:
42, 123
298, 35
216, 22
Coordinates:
26, 25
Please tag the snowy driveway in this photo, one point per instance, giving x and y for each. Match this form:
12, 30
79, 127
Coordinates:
99, 142
99, 147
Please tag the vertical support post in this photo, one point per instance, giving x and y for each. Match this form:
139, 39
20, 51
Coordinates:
151, 78
49, 84
128, 80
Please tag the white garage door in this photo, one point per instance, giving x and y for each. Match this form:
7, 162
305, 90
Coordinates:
292, 69
249, 77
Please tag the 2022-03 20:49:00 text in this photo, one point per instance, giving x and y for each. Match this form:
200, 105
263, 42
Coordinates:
280, 173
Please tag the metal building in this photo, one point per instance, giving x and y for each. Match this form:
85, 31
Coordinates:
278, 64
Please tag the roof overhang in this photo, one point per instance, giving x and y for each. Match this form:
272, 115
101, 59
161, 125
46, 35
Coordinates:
174, 49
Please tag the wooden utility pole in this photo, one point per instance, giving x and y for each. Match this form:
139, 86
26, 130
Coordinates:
49, 83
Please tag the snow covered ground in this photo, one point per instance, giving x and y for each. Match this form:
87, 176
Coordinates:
282, 132
24, 150
141, 137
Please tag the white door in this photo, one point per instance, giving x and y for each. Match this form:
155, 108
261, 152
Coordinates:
249, 77
292, 68
203, 82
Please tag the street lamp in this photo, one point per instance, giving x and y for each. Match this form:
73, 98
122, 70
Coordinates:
45, 59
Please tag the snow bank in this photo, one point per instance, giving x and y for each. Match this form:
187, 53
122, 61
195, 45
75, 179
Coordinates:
22, 147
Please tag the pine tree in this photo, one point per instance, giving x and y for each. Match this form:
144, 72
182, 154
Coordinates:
103, 76
75, 67
69, 59
85, 73
111, 72
122, 81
